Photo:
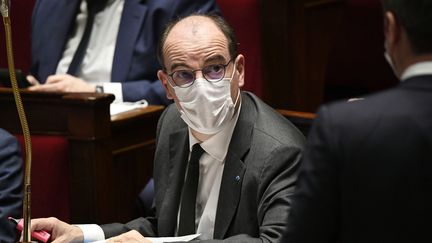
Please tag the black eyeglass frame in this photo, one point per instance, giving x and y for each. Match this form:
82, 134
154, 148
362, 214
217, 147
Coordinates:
203, 74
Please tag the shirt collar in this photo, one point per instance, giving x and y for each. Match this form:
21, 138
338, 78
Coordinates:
417, 69
217, 145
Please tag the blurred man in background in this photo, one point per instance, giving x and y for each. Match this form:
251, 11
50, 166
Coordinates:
103, 45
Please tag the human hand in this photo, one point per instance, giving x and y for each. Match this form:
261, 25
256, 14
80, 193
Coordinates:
32, 80
60, 231
63, 83
131, 236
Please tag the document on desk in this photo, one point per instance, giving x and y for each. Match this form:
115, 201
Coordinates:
120, 107
185, 238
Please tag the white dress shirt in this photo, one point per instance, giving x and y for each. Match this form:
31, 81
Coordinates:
97, 62
212, 163
211, 169
417, 69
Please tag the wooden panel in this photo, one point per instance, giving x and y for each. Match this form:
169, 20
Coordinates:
133, 149
356, 64
297, 39
322, 21
110, 159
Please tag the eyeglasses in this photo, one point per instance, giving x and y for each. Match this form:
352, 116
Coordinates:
212, 73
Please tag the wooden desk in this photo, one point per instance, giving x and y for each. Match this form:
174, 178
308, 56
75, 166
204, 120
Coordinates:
110, 158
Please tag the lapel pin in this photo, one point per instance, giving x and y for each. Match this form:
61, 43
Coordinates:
237, 178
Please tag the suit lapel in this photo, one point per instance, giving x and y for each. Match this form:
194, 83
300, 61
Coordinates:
130, 25
57, 38
234, 169
179, 151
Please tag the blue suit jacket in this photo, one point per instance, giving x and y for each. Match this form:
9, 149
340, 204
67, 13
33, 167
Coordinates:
11, 193
135, 63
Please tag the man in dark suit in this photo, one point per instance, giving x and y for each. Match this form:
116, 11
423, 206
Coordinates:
11, 190
366, 175
244, 156
121, 51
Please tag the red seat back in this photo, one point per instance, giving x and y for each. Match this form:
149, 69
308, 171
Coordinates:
21, 12
50, 176
244, 17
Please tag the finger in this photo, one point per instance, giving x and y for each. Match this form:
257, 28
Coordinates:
56, 78
113, 239
32, 80
55, 87
120, 238
46, 224
131, 236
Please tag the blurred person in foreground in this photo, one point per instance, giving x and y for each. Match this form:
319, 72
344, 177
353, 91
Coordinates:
366, 174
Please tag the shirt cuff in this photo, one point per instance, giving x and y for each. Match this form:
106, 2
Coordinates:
91, 232
115, 89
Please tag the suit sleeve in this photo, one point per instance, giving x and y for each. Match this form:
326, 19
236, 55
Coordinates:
11, 191
314, 213
152, 90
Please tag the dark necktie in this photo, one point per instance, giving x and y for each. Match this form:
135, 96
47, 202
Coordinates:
190, 187
93, 7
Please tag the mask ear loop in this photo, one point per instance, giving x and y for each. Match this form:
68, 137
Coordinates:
232, 76
237, 98
234, 69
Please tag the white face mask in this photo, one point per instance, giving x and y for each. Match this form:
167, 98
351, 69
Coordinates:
390, 61
207, 106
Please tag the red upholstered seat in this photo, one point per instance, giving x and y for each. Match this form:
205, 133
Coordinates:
50, 176
21, 11
244, 16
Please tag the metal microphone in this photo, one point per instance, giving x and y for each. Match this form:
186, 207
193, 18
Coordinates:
4, 9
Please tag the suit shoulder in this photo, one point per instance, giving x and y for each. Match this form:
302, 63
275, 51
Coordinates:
365, 110
273, 127
170, 119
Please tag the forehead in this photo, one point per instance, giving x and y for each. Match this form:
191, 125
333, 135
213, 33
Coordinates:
194, 40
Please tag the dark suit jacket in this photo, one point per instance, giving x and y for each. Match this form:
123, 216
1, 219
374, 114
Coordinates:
264, 151
135, 63
367, 170
11, 177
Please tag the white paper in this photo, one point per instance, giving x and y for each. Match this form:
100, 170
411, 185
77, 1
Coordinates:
185, 238
120, 107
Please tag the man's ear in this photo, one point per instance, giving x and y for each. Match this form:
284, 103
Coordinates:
163, 77
392, 31
240, 69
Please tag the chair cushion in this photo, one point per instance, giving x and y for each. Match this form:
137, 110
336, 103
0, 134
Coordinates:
50, 176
